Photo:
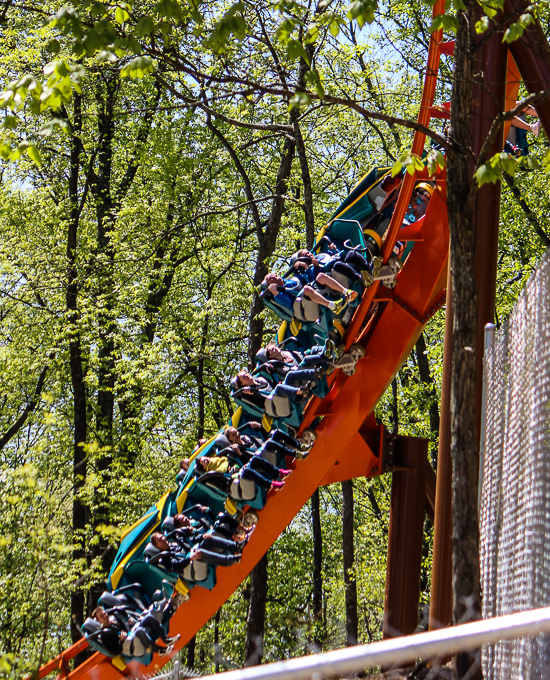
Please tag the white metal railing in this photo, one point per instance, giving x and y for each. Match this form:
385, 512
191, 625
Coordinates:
396, 651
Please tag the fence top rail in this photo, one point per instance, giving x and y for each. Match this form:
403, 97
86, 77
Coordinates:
397, 651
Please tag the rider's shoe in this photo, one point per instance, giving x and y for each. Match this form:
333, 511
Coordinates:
366, 278
340, 305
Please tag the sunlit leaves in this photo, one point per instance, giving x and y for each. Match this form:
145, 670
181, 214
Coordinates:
444, 21
491, 7
435, 161
55, 123
121, 15
34, 154
285, 29
504, 163
231, 24
300, 99
483, 24
105, 56
295, 50
145, 26
516, 30
362, 11
409, 162
138, 68
313, 79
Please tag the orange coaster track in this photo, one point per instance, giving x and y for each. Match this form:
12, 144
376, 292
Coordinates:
349, 442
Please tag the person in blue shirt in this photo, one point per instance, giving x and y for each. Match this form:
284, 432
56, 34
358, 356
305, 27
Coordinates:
350, 263
285, 291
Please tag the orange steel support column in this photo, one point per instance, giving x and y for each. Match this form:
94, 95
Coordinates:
408, 500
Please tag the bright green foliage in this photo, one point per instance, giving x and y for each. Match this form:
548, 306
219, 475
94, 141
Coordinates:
164, 266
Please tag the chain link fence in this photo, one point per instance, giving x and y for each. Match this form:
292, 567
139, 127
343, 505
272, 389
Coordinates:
515, 500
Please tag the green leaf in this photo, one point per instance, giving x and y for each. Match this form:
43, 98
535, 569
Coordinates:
138, 67
508, 163
169, 9
34, 154
121, 15
545, 163
487, 174
362, 11
531, 162
513, 32
295, 50
396, 168
312, 33
9, 123
444, 21
313, 79
434, 160
285, 30
145, 26
526, 19
105, 56
483, 24
299, 99
232, 23
53, 46
491, 7
50, 126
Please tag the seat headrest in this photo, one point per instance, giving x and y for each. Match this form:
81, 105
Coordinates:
108, 600
90, 626
150, 551
168, 525
261, 356
221, 441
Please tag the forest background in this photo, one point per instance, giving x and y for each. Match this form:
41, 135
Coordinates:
137, 215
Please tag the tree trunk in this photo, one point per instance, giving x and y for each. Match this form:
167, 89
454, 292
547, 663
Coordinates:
191, 645
255, 621
79, 514
105, 318
350, 583
429, 387
394, 406
217, 650
318, 634
464, 445
266, 246
306, 180
106, 256
267, 243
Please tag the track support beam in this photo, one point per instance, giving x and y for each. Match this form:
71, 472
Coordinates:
408, 501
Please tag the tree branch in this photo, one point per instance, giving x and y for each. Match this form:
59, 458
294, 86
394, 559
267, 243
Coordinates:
29, 408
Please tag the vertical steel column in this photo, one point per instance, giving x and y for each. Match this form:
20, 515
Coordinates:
441, 600
408, 499
489, 101
489, 97
532, 56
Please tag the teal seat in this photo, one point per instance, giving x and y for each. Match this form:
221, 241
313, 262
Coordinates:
343, 230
